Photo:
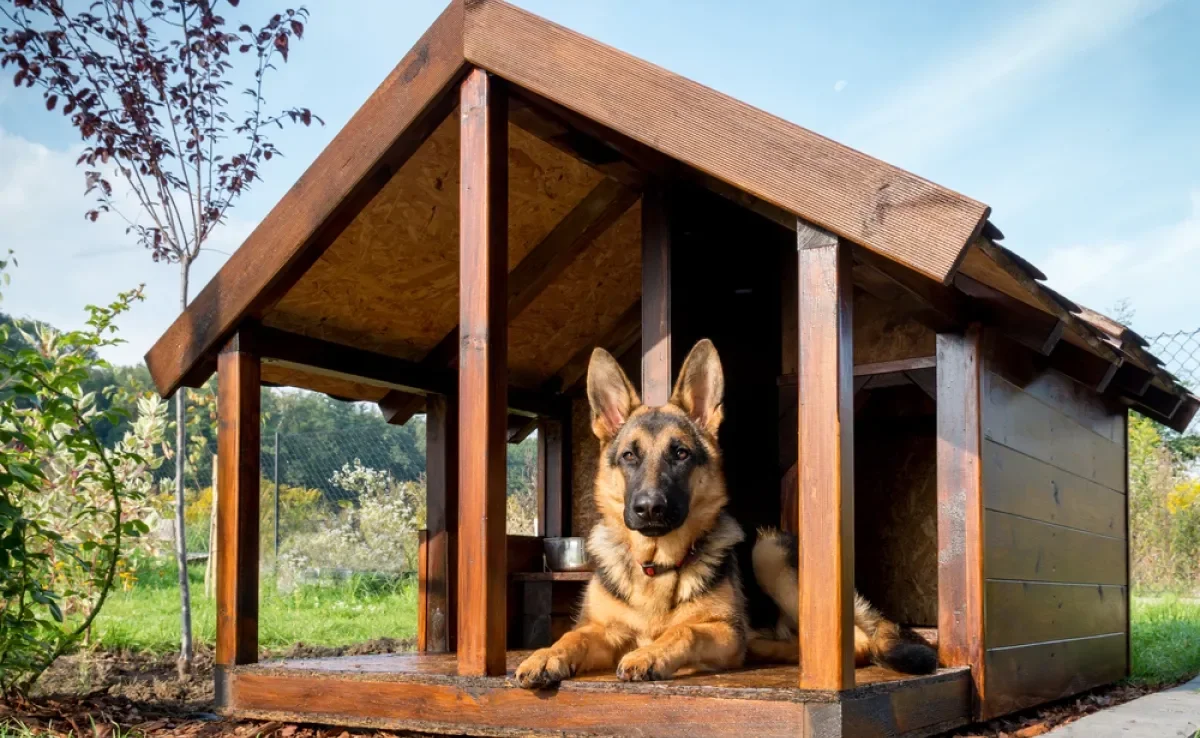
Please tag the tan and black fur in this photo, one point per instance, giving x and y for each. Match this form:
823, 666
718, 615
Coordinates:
660, 494
876, 640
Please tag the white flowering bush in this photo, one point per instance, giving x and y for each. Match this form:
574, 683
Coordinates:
70, 508
375, 532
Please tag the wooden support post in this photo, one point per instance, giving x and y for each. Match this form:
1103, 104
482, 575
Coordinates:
483, 292
656, 296
552, 482
237, 513
960, 372
825, 383
441, 521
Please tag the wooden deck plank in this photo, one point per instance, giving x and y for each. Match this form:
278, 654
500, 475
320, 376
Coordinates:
424, 692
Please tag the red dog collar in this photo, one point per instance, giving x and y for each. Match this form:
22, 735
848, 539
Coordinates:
652, 569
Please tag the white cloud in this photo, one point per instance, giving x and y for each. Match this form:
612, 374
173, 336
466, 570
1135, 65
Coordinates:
1156, 270
66, 262
840, 85
991, 76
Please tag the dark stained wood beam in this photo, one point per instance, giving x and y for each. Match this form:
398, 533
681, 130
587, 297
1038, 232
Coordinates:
1084, 367
414, 99
826, 460
316, 356
1023, 323
900, 365
594, 214
657, 373
554, 478
960, 502
482, 375
335, 359
441, 523
519, 427
236, 547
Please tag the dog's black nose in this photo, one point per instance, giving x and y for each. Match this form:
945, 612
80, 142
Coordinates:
650, 508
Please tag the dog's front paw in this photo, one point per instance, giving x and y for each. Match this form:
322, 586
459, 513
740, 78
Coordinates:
642, 666
543, 669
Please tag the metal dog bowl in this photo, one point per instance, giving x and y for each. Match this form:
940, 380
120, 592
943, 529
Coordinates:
566, 554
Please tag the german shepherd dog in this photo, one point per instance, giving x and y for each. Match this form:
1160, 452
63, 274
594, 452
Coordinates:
667, 593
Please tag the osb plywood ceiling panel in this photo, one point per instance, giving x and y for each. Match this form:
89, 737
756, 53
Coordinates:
389, 283
585, 301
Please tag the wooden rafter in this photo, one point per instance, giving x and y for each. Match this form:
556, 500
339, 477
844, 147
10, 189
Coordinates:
1023, 323
316, 356
594, 214
353, 168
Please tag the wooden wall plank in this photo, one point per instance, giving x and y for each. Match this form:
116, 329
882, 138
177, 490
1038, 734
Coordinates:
238, 433
961, 625
1023, 549
826, 459
482, 376
656, 295
441, 521
837, 188
1020, 613
1030, 675
378, 139
1022, 422
1022, 485
1088, 408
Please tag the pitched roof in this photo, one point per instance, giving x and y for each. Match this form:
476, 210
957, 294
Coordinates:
780, 166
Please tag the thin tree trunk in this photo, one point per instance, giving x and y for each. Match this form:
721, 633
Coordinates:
185, 597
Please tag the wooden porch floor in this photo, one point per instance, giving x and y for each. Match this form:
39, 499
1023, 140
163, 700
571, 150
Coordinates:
422, 692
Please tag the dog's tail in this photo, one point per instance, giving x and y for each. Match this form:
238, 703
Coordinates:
876, 639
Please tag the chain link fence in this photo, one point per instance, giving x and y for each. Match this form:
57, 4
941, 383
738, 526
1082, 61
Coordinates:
1181, 353
339, 503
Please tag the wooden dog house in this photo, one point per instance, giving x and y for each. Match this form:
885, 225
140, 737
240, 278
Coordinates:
514, 194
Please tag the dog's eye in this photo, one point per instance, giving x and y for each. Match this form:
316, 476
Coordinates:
629, 457
682, 454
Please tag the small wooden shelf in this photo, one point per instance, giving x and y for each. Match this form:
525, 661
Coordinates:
551, 576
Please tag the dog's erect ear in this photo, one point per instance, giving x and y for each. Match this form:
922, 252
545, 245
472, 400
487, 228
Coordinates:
610, 393
700, 388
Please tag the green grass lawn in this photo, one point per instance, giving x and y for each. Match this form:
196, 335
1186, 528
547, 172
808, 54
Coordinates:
1166, 639
146, 618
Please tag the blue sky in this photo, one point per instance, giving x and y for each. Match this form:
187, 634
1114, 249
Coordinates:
1077, 121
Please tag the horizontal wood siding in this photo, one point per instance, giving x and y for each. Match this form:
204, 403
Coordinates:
1032, 612
1024, 423
1018, 548
1056, 573
1021, 485
1024, 676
